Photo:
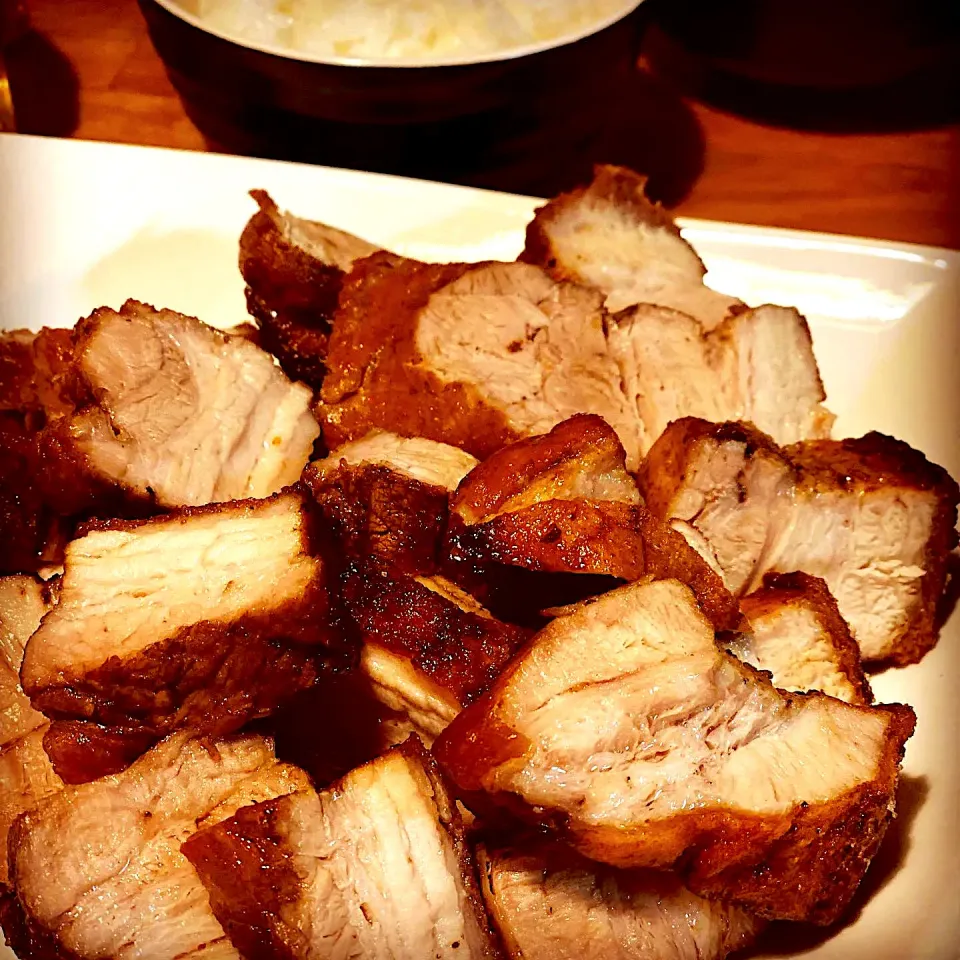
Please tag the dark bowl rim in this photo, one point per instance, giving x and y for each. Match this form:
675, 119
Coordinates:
386, 63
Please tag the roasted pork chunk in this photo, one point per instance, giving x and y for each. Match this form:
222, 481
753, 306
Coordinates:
428, 648
471, 355
550, 904
375, 510
23, 602
614, 540
797, 634
759, 363
183, 414
437, 464
872, 517
97, 868
203, 618
374, 867
624, 726
35, 386
26, 775
294, 269
609, 236
580, 458
477, 356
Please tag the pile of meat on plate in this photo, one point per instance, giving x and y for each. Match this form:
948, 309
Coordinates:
448, 610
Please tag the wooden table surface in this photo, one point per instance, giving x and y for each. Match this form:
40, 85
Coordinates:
89, 70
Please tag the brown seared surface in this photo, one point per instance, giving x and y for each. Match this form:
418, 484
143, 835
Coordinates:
374, 510
140, 641
872, 517
580, 457
375, 377
97, 868
552, 904
826, 658
620, 540
81, 750
624, 726
27, 940
293, 269
36, 372
608, 234
375, 867
460, 649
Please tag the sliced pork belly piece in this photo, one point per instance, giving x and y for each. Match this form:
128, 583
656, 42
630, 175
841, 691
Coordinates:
375, 867
374, 510
797, 634
183, 414
620, 541
872, 517
550, 904
625, 726
579, 458
436, 464
294, 269
26, 777
609, 236
36, 372
23, 602
204, 619
26, 774
758, 366
428, 648
98, 870
470, 355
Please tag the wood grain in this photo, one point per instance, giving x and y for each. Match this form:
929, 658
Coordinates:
90, 71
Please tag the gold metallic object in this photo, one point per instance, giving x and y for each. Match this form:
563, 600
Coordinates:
7, 119
13, 22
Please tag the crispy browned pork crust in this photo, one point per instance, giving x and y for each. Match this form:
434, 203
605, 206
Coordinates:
308, 875
376, 511
619, 540
551, 904
871, 516
97, 869
609, 235
626, 728
445, 637
36, 372
140, 643
582, 457
293, 269
823, 657
376, 376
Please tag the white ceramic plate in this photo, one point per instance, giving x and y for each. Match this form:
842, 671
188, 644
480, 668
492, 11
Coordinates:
85, 224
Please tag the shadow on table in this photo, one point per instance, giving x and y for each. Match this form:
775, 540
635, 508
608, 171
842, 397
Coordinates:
44, 85
789, 939
540, 142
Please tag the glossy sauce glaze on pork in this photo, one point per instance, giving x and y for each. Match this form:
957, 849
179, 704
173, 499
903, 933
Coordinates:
97, 869
374, 867
203, 618
293, 269
626, 728
551, 904
870, 516
797, 634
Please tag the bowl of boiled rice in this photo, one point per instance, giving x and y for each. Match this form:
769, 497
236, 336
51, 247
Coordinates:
275, 65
